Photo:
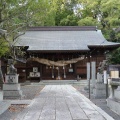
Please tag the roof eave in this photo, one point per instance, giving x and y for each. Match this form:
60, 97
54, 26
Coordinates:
57, 51
104, 46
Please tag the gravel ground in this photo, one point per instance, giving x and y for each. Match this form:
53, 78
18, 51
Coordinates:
30, 91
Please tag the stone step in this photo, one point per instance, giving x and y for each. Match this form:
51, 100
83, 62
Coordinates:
12, 94
59, 82
4, 105
19, 102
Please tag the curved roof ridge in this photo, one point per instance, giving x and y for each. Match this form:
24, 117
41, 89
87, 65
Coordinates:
63, 28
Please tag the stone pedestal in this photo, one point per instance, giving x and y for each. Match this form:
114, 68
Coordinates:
113, 102
11, 88
117, 93
114, 105
100, 88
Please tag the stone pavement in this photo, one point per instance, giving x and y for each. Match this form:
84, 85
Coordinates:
62, 102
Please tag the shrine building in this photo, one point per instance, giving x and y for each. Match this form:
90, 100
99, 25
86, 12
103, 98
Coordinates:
60, 52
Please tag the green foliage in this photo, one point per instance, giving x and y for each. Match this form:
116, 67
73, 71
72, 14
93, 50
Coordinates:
87, 21
70, 20
16, 16
3, 47
114, 57
42, 12
65, 13
107, 13
12, 22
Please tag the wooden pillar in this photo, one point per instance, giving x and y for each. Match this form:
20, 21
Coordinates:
26, 71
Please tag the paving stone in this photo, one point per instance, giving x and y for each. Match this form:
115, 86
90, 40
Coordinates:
32, 115
62, 102
4, 105
62, 111
75, 109
48, 111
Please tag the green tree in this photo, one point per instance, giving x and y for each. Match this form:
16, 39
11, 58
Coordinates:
105, 14
42, 12
12, 24
15, 17
65, 13
87, 21
70, 20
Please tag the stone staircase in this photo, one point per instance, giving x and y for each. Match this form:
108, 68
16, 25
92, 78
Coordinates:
61, 82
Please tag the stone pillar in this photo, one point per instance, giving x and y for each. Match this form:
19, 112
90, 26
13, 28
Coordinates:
88, 76
93, 73
88, 71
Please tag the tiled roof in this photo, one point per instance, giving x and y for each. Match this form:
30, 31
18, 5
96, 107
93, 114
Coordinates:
63, 39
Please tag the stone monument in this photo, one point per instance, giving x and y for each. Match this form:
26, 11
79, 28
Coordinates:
100, 88
11, 88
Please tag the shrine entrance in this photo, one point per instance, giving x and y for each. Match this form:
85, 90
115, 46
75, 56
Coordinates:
58, 73
56, 66
37, 71
56, 52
